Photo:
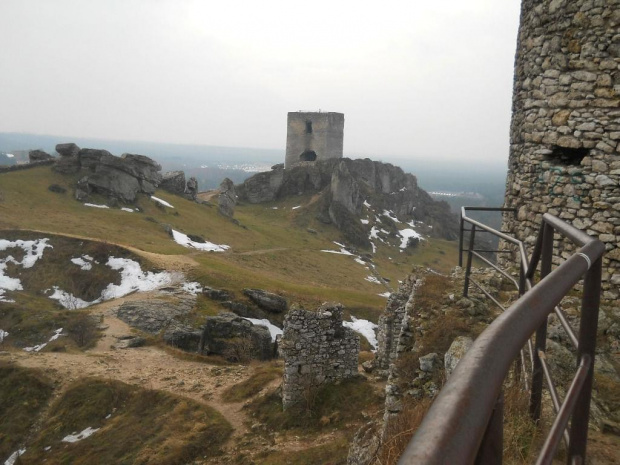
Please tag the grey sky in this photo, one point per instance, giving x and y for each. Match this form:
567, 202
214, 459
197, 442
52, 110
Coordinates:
413, 78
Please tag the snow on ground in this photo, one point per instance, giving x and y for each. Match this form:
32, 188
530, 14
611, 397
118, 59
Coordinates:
360, 261
406, 234
84, 262
75, 437
365, 221
33, 251
342, 251
68, 300
274, 208
9, 155
125, 209
390, 214
192, 288
3, 335
385, 294
372, 279
37, 348
13, 457
161, 201
94, 205
185, 241
295, 208
366, 204
374, 247
273, 329
365, 328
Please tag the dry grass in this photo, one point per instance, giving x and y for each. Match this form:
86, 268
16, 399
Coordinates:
522, 438
400, 430
136, 426
262, 376
333, 453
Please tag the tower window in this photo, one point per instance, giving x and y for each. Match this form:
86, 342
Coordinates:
308, 127
308, 155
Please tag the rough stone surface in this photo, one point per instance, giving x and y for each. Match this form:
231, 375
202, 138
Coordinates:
67, 150
39, 155
267, 300
344, 186
227, 200
89, 158
455, 353
365, 444
173, 182
313, 136
564, 133
317, 349
231, 336
114, 183
155, 315
191, 189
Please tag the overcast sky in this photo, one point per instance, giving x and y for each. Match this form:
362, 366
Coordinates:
414, 79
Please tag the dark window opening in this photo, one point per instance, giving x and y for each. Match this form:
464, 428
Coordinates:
308, 155
567, 157
308, 127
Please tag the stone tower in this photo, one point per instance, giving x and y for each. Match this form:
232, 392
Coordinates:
312, 136
565, 131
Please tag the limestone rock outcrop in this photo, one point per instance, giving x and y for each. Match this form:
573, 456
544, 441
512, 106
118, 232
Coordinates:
227, 200
345, 185
173, 182
235, 338
38, 155
267, 300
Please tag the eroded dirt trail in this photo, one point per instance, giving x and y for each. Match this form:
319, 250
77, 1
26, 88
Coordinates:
149, 367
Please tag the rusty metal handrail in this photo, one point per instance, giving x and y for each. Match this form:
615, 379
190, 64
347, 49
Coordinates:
459, 420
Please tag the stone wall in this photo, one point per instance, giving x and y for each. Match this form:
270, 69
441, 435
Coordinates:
565, 132
313, 136
25, 166
317, 349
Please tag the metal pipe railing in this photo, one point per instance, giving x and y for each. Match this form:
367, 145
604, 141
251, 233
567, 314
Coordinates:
459, 420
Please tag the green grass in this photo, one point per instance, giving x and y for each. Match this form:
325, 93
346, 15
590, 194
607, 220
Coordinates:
340, 405
244, 390
23, 395
144, 426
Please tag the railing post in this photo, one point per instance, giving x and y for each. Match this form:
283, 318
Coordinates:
469, 259
492, 446
587, 345
541, 332
462, 225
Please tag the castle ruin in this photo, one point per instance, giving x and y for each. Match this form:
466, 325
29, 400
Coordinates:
565, 131
312, 136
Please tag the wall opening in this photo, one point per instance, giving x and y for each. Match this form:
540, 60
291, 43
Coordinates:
308, 155
308, 127
567, 157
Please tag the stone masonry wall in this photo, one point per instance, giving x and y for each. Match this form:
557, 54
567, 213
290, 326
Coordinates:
317, 349
565, 132
312, 136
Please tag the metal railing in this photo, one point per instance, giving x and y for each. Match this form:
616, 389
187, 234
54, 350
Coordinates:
464, 424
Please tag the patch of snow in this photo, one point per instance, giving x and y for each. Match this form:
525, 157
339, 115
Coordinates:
342, 251
75, 437
161, 201
295, 208
274, 208
365, 221
273, 329
37, 348
3, 335
9, 155
365, 328
406, 234
192, 288
374, 247
384, 231
33, 251
125, 209
47, 449
374, 233
338, 244
13, 457
402, 189
83, 262
385, 294
108, 416
68, 300
185, 241
94, 205
133, 279
372, 279
360, 261
390, 214
366, 204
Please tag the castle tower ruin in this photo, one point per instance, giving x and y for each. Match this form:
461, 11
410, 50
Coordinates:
313, 136
565, 131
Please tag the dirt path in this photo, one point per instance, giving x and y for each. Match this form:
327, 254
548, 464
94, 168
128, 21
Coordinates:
149, 367
262, 251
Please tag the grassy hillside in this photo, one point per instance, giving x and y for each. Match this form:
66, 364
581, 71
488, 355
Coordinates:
272, 249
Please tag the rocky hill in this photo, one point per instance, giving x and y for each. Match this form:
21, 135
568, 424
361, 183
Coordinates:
347, 189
